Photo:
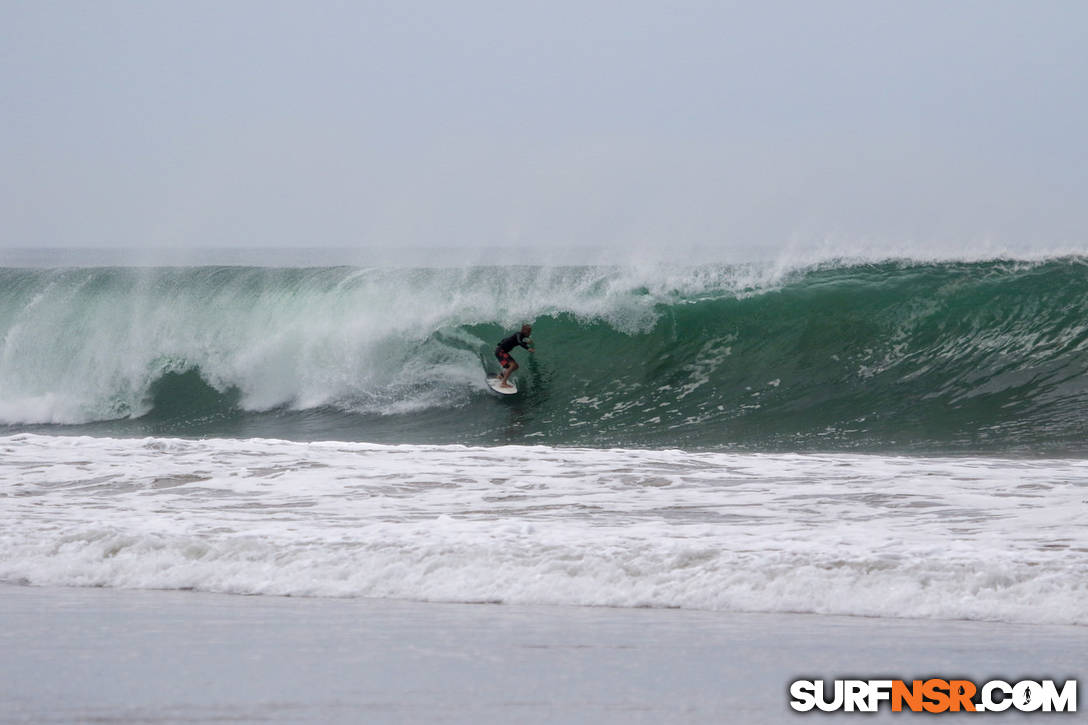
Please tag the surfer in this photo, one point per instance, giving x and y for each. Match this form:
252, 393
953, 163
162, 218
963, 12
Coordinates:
502, 352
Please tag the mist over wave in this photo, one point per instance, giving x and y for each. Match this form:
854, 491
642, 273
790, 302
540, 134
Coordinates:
898, 354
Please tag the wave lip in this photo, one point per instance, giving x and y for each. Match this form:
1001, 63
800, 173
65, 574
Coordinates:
960, 538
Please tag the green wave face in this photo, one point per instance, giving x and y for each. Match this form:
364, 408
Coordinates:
953, 357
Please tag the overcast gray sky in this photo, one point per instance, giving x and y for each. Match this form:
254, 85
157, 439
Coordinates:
659, 124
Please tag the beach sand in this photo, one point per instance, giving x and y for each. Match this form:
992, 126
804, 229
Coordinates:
120, 656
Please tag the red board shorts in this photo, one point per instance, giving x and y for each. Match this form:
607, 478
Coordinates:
504, 357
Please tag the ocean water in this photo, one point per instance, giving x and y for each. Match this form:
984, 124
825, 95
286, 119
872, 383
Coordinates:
887, 438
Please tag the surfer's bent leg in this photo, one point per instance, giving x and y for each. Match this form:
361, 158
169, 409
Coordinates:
510, 369
506, 362
508, 365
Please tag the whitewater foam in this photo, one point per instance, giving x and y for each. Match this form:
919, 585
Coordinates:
969, 538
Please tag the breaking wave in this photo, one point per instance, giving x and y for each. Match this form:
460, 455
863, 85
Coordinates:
894, 355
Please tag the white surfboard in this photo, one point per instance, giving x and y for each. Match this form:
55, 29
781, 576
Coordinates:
494, 383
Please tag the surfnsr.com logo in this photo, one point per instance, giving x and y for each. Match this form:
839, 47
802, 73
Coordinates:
934, 695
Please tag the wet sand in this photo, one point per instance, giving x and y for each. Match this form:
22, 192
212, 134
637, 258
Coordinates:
114, 656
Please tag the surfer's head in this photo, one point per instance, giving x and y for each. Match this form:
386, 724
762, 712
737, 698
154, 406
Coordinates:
526, 329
